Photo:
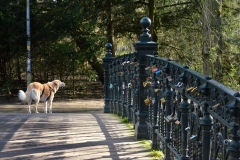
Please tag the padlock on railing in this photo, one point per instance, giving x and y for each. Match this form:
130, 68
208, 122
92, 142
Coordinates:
158, 72
189, 89
177, 122
169, 118
153, 67
154, 70
148, 101
216, 106
147, 68
123, 63
129, 85
174, 101
169, 78
111, 86
193, 137
146, 83
179, 84
153, 100
163, 100
123, 85
194, 91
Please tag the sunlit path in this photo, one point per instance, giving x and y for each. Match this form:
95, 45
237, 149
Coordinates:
67, 136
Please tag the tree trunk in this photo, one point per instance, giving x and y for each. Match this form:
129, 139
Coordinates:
91, 58
151, 9
207, 31
110, 25
218, 41
98, 68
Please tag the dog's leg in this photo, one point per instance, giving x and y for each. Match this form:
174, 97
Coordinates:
29, 105
35, 95
50, 106
45, 107
36, 104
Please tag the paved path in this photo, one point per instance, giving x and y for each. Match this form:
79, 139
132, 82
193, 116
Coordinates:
80, 136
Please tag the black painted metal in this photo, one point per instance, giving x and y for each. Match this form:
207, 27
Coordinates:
106, 61
184, 113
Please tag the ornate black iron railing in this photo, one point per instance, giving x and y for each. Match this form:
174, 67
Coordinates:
185, 114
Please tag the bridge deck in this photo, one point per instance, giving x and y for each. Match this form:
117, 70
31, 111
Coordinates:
80, 136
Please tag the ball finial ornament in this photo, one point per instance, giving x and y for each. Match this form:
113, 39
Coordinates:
145, 22
108, 50
108, 46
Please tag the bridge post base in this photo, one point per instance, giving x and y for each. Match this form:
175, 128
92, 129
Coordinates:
141, 130
106, 108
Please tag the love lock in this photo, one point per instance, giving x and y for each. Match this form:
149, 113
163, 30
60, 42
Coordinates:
154, 70
158, 72
190, 89
177, 122
148, 79
146, 83
169, 78
187, 129
153, 100
194, 90
179, 84
123, 85
111, 86
148, 101
153, 67
175, 101
169, 118
147, 68
162, 100
216, 106
129, 85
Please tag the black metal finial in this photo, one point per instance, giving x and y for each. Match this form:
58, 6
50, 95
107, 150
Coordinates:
145, 22
108, 48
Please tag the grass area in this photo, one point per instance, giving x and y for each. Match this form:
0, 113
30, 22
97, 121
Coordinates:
156, 154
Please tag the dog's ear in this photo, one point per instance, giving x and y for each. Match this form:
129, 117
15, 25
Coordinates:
56, 83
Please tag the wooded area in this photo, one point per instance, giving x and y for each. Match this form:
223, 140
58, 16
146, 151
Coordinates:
68, 38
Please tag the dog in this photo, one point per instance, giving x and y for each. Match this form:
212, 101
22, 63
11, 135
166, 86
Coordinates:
40, 92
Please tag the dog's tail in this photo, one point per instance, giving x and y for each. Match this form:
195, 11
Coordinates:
22, 96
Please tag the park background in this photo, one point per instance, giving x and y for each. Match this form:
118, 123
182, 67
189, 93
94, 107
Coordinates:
68, 40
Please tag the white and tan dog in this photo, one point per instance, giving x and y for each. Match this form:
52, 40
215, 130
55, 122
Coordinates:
40, 92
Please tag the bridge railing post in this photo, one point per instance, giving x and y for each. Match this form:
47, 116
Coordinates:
111, 88
129, 94
106, 61
143, 47
119, 88
206, 123
123, 86
115, 87
155, 102
168, 109
134, 96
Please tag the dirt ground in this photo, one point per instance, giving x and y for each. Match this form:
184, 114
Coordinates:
63, 106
